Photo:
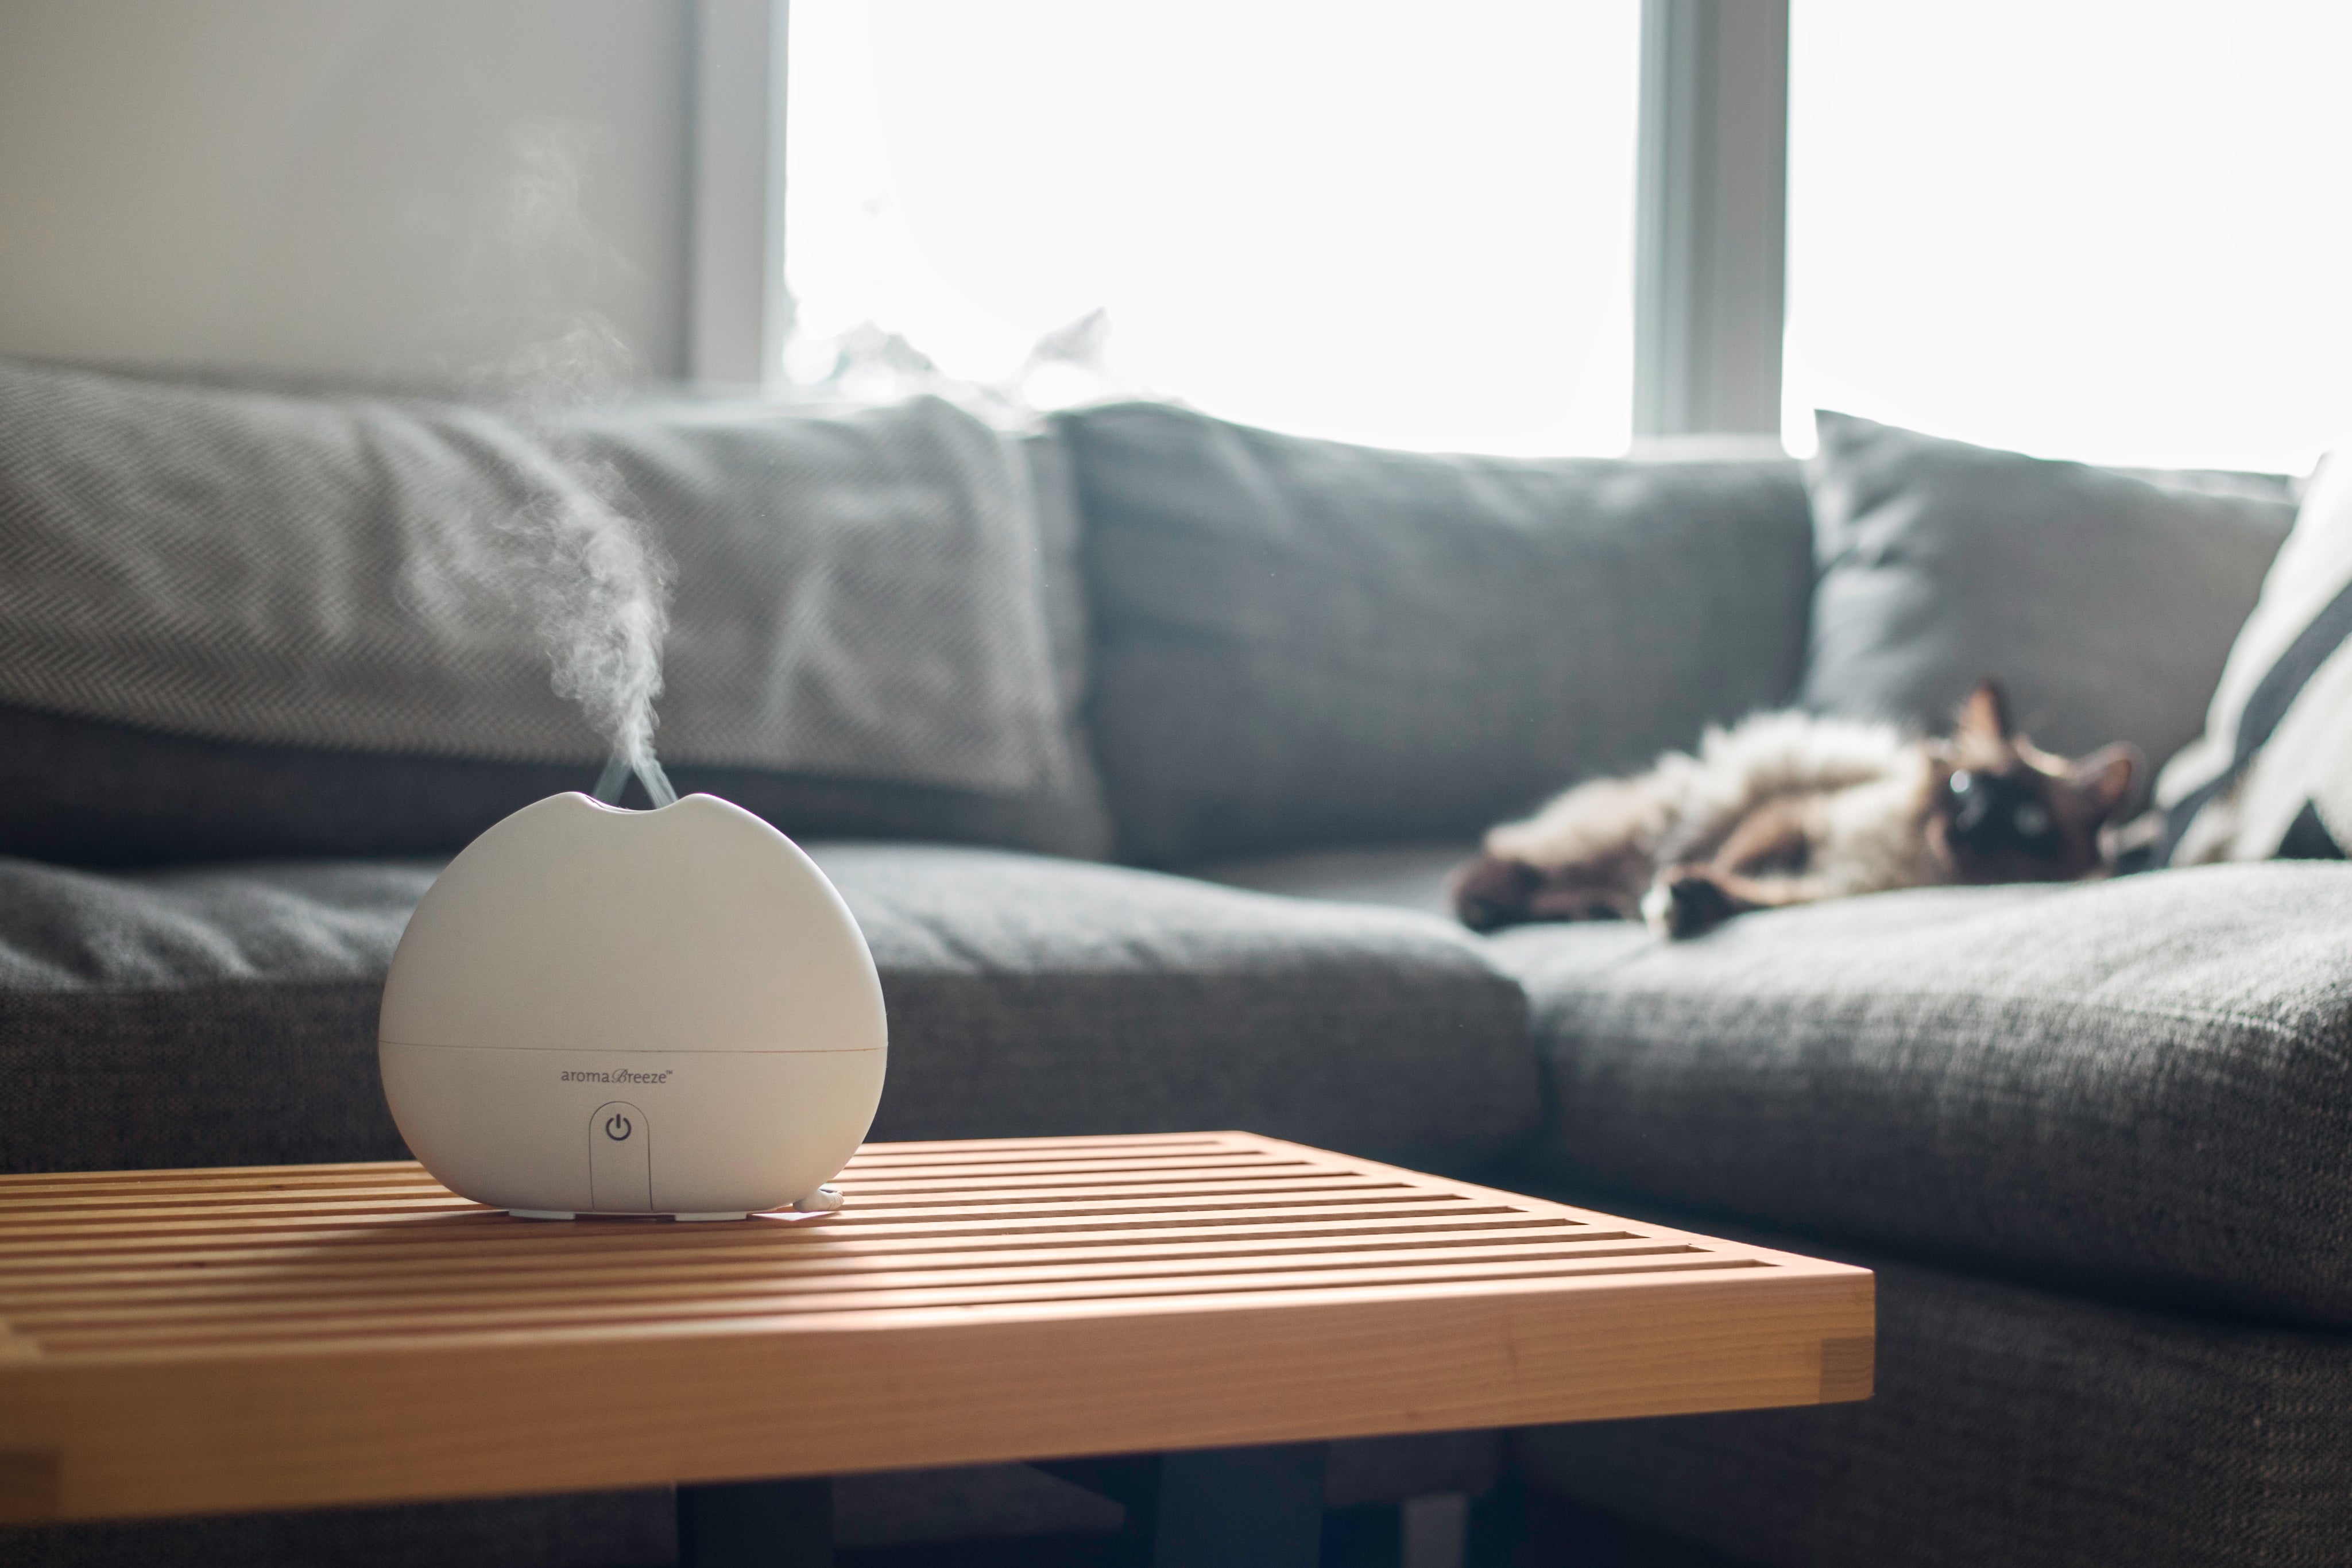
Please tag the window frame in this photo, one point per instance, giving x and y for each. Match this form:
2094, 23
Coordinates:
1710, 221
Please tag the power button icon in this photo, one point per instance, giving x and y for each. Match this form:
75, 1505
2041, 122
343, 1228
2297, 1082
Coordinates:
620, 1159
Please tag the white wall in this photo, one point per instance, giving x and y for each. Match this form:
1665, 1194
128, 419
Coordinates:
327, 184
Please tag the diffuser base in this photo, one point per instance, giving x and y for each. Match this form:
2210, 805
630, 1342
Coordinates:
702, 1131
693, 1219
542, 1214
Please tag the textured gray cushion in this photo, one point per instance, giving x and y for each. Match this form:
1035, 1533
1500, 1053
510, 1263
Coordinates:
1302, 643
227, 1015
2141, 1087
197, 1018
85, 791
82, 792
2011, 1426
854, 595
2104, 599
1397, 876
1030, 996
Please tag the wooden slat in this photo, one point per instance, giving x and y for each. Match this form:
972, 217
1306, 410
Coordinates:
886, 1203
985, 1149
444, 1247
197, 1339
217, 1332
622, 1237
470, 1303
200, 1275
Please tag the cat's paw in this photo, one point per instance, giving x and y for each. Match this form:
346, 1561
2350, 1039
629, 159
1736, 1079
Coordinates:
1688, 903
1491, 892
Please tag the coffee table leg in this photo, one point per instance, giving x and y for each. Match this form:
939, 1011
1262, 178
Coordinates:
756, 1524
1213, 1507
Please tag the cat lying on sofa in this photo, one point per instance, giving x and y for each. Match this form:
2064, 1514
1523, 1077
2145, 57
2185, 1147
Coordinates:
1788, 807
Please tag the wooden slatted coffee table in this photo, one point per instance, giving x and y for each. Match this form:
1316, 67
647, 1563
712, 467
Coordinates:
200, 1341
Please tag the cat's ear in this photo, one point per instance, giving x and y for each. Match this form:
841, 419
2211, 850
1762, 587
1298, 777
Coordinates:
2105, 777
1985, 716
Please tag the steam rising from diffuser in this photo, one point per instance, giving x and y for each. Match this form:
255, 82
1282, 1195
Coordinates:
597, 591
591, 578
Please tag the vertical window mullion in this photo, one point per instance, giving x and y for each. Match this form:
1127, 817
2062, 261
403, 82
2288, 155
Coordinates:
735, 304
1711, 219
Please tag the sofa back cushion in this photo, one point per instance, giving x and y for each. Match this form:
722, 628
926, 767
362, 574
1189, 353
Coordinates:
2104, 599
1300, 642
243, 622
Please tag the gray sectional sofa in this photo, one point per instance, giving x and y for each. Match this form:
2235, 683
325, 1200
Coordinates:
2093, 1138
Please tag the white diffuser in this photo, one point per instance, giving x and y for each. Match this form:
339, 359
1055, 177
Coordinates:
600, 1011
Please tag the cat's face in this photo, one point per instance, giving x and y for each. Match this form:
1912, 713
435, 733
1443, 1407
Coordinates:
2004, 810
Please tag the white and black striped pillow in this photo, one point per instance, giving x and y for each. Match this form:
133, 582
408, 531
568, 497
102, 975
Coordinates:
2271, 776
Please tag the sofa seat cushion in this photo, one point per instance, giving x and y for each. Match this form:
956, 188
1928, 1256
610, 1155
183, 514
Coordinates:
1031, 997
226, 1015
2011, 1425
2139, 1086
199, 1016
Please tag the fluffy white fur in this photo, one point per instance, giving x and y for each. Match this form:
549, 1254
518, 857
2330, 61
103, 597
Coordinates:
1864, 790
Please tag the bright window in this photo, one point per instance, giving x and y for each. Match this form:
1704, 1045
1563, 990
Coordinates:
1404, 225
2110, 229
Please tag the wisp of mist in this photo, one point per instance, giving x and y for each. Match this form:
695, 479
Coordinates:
589, 576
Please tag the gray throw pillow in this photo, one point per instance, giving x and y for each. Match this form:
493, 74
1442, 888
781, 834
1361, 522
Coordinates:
2271, 775
136, 474
1300, 642
858, 594
2104, 599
